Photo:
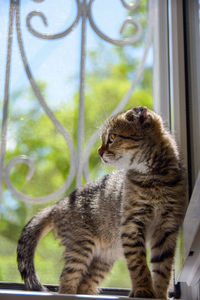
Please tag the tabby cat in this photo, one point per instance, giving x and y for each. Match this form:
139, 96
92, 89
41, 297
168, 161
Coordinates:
117, 215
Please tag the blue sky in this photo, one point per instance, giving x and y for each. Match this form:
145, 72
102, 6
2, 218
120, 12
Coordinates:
56, 62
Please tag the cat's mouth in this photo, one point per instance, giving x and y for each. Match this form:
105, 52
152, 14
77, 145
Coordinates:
104, 160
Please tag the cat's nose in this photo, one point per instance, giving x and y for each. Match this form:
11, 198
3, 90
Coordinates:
100, 151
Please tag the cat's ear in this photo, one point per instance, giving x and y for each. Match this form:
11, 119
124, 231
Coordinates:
137, 113
140, 115
130, 116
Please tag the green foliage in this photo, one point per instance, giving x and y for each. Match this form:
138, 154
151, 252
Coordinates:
34, 135
119, 276
41, 141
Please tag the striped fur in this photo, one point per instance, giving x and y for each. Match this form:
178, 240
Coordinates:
118, 214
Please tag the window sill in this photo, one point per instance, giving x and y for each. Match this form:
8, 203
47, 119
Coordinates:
15, 291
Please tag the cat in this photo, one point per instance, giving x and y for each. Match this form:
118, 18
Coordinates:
143, 201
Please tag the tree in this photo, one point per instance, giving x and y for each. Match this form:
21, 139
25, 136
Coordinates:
34, 135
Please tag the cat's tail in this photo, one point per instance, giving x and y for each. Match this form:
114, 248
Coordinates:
38, 226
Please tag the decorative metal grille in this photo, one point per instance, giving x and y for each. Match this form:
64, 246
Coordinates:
79, 157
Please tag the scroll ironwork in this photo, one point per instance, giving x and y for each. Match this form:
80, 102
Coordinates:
79, 158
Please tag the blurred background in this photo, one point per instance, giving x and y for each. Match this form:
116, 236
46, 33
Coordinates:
45, 68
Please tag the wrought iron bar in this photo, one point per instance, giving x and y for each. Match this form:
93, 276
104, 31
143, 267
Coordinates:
80, 141
124, 101
38, 0
79, 159
44, 19
129, 20
59, 127
6, 98
131, 6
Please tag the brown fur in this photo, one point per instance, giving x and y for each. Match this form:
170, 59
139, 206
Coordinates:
118, 214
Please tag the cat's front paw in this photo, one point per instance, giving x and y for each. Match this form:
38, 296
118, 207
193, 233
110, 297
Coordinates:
142, 293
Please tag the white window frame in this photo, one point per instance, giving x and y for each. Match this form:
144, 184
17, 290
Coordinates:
169, 95
190, 273
169, 71
169, 74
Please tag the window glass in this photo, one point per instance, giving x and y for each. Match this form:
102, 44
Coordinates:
62, 75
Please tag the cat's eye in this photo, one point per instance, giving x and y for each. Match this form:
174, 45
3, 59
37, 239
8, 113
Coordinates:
111, 138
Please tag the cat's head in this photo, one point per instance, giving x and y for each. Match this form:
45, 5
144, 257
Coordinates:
126, 135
